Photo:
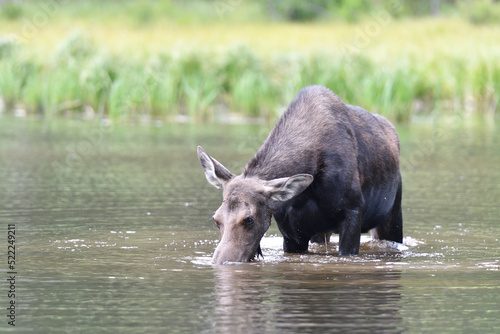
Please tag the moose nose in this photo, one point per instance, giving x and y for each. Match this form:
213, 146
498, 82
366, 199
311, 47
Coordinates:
217, 258
228, 253
223, 254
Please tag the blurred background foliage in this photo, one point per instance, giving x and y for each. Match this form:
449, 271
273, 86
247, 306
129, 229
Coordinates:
219, 59
146, 12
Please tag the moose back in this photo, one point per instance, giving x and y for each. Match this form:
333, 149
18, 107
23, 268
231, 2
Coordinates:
325, 167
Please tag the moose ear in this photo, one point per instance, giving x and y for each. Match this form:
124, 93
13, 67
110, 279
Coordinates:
288, 187
216, 174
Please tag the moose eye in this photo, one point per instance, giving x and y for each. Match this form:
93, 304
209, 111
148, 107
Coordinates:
248, 221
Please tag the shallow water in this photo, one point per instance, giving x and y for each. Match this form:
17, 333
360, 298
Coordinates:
113, 234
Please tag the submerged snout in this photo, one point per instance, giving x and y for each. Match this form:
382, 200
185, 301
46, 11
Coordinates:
222, 256
225, 253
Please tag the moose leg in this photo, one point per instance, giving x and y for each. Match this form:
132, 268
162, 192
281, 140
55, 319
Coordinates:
392, 229
350, 233
294, 246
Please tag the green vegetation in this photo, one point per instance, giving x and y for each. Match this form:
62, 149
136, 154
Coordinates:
481, 11
207, 59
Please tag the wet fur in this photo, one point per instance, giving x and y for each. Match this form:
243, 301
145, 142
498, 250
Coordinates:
354, 158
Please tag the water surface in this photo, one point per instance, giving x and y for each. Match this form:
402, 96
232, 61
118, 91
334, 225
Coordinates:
114, 235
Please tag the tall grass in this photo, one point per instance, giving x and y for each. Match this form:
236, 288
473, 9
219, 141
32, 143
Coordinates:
145, 66
204, 86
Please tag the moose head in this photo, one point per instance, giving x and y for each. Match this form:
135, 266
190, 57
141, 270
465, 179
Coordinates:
247, 207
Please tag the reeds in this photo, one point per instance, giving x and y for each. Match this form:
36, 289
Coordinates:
205, 86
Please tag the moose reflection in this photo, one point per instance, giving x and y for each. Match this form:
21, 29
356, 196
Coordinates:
260, 300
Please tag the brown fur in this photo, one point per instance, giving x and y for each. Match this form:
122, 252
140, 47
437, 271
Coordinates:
325, 167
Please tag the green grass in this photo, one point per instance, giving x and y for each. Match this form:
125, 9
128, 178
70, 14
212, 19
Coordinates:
124, 67
201, 85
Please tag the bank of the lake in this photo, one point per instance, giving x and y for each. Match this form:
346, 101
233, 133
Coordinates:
209, 71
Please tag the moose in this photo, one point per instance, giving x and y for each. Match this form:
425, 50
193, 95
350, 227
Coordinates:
326, 167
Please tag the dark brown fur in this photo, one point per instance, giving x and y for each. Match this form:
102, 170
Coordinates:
353, 157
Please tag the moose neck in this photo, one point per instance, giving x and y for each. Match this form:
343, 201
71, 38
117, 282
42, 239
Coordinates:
272, 162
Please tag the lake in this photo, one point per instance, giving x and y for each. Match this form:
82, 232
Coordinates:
113, 235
